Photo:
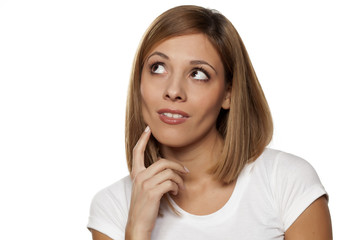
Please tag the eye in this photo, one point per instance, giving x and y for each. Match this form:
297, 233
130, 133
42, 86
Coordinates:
200, 74
158, 68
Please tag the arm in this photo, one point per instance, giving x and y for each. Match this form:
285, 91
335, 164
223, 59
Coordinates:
313, 224
98, 235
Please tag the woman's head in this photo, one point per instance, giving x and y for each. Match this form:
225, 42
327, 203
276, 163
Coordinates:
182, 91
245, 125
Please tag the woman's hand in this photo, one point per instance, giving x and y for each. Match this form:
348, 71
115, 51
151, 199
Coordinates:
149, 185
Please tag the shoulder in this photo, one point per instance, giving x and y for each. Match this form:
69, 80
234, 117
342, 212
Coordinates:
271, 156
279, 163
286, 171
293, 181
109, 208
116, 192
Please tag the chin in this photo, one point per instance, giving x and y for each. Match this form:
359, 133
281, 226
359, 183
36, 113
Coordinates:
171, 137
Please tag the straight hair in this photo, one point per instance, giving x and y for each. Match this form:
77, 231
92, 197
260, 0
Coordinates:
246, 126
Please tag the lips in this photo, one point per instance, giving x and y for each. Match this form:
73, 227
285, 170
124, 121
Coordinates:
170, 116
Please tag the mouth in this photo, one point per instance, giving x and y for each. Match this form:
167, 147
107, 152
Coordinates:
172, 117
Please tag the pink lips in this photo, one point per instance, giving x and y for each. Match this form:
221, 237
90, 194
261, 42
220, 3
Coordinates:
172, 120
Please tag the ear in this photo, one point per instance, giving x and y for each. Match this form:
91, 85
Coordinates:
227, 99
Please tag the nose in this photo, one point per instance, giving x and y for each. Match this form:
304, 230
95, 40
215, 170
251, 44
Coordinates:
175, 90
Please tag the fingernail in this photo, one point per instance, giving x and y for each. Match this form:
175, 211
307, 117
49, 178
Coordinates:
187, 170
147, 129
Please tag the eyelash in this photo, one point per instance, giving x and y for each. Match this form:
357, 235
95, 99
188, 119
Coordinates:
151, 66
201, 69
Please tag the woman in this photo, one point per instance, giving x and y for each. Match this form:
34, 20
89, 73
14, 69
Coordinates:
200, 169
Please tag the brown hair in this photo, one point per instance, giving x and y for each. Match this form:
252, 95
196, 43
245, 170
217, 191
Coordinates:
246, 127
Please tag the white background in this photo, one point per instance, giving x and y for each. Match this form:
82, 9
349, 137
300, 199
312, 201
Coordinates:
64, 70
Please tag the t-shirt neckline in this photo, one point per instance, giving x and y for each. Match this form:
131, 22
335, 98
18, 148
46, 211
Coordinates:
228, 208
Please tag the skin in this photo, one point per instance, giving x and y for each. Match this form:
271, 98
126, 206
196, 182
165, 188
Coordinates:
313, 224
171, 79
186, 73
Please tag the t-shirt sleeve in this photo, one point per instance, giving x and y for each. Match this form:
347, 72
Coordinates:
296, 185
109, 211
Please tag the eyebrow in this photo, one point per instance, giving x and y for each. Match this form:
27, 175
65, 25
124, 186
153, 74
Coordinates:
197, 62
193, 62
159, 54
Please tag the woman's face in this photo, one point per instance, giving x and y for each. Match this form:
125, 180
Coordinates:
183, 89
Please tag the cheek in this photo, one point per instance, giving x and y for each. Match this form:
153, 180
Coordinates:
210, 102
148, 88
148, 98
144, 94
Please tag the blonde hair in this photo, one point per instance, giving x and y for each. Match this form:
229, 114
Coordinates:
246, 127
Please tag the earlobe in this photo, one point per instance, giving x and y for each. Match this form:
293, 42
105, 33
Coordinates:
227, 101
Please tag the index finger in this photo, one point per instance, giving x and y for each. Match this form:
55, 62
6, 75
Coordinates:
138, 152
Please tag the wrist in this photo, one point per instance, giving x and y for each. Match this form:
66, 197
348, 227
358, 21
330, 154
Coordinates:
136, 233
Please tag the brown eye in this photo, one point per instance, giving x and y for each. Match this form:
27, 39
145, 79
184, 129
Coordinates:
158, 68
199, 74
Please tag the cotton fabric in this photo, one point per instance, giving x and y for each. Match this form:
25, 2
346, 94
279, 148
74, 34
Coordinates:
269, 195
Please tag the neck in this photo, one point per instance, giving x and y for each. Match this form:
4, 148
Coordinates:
198, 156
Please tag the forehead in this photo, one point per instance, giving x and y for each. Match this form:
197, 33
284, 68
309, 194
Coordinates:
190, 46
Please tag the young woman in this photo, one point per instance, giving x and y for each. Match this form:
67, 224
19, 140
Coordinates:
197, 127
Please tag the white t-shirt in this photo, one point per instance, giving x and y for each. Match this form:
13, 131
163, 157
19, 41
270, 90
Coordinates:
269, 195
